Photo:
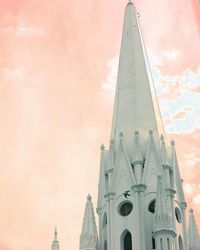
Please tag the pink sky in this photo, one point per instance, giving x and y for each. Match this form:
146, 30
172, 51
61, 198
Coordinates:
55, 61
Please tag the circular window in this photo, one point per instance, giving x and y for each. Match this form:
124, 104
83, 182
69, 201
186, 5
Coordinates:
125, 208
178, 215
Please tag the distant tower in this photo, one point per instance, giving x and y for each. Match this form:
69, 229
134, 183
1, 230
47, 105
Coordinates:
89, 236
194, 241
55, 243
141, 204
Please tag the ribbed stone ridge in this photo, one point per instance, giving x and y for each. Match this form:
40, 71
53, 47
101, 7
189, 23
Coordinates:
136, 106
163, 219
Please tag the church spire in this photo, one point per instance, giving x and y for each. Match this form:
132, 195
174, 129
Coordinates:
194, 240
136, 107
55, 243
89, 236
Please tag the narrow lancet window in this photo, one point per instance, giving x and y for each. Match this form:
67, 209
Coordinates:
105, 245
126, 240
180, 243
161, 244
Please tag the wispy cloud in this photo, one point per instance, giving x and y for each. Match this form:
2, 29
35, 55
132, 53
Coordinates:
13, 74
177, 94
23, 30
196, 200
172, 54
111, 79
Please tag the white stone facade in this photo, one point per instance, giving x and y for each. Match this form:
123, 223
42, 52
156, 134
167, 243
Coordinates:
141, 204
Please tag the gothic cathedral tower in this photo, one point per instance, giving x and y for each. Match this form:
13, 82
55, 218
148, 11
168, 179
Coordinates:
141, 205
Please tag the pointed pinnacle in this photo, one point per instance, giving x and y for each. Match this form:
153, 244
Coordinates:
89, 197
151, 132
121, 135
191, 210
173, 143
162, 138
55, 234
136, 132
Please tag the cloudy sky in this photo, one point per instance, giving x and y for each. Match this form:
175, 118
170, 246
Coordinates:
58, 62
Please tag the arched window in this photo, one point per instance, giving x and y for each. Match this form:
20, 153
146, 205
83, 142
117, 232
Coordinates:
153, 243
161, 244
151, 207
178, 215
105, 245
126, 240
180, 242
105, 221
168, 244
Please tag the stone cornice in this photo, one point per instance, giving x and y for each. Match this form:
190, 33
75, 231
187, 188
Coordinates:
139, 188
165, 232
165, 166
183, 205
170, 192
109, 171
110, 196
137, 163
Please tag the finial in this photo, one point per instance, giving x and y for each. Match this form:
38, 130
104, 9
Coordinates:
111, 141
173, 143
89, 197
159, 177
136, 132
151, 132
162, 137
102, 147
121, 135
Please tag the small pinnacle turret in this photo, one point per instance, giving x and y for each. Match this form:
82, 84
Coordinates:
89, 236
194, 240
163, 219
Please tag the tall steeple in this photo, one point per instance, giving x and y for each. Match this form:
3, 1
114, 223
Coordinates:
129, 186
136, 107
55, 243
194, 240
89, 235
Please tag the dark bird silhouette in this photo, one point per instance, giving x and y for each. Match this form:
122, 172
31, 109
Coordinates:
127, 194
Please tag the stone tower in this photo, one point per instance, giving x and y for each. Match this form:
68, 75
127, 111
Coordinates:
141, 203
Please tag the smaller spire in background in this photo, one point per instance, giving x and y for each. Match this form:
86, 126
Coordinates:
55, 243
89, 235
193, 234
